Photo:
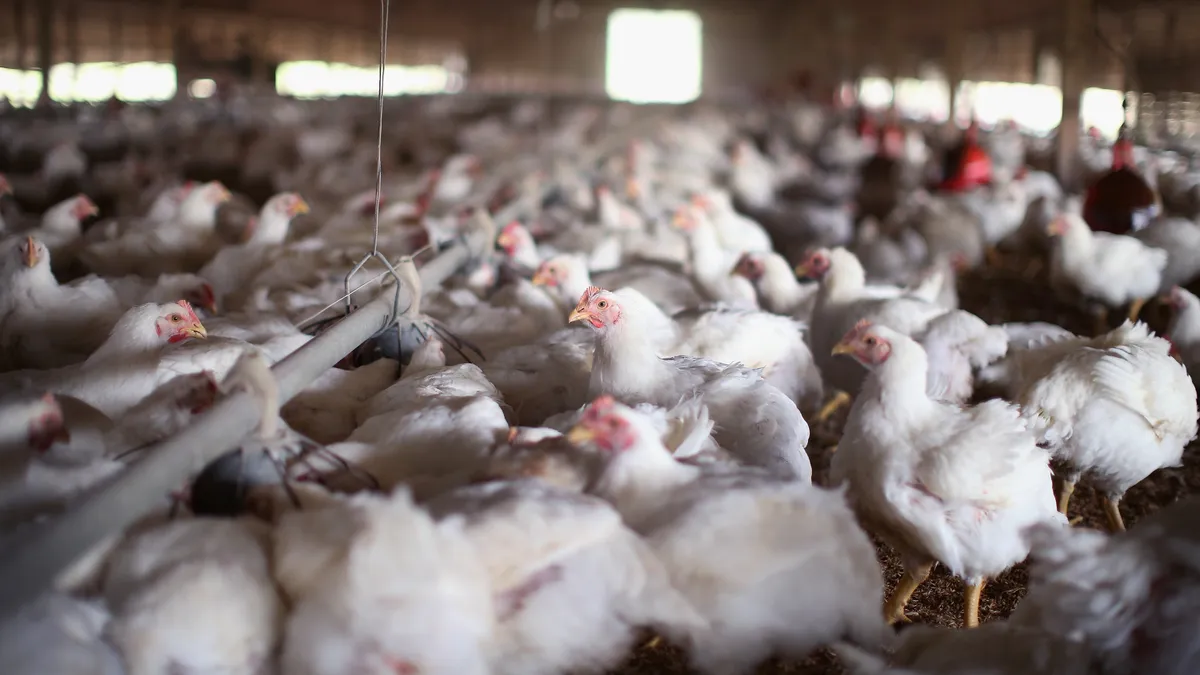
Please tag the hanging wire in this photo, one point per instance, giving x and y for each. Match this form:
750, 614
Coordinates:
384, 12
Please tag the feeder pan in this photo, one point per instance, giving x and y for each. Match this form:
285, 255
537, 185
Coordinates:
968, 164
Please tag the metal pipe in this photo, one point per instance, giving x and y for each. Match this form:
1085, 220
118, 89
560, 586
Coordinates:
33, 559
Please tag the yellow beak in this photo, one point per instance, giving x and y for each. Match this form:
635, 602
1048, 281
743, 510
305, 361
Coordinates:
579, 434
31, 254
196, 330
843, 348
505, 240
801, 270
299, 207
579, 315
543, 278
679, 221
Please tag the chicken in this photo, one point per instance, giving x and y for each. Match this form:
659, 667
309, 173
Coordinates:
756, 422
1184, 330
234, 266
567, 276
139, 354
776, 286
842, 301
1131, 600
1112, 269
210, 575
1116, 407
44, 324
763, 542
570, 583
938, 482
377, 586
1180, 238
182, 245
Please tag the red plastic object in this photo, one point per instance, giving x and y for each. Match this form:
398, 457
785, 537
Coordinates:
973, 167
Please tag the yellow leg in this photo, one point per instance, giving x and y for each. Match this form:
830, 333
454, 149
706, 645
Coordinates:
1112, 509
839, 399
1064, 495
893, 612
652, 642
1135, 308
992, 256
971, 604
1102, 321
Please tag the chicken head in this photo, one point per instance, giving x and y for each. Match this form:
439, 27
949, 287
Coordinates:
815, 265
46, 424
598, 307
750, 266
84, 208
549, 273
31, 252
603, 426
512, 237
684, 218
178, 322
866, 343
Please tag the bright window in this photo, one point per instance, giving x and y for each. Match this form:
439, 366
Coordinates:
20, 87
95, 82
653, 56
1101, 108
926, 99
875, 92
316, 79
1036, 108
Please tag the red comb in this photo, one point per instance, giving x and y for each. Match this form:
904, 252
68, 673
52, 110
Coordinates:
187, 308
590, 293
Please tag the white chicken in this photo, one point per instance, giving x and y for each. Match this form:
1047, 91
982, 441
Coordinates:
755, 421
211, 575
378, 587
132, 362
1116, 407
570, 583
938, 482
233, 266
749, 574
1112, 269
44, 324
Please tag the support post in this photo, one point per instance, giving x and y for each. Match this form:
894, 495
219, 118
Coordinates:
1074, 74
952, 58
45, 45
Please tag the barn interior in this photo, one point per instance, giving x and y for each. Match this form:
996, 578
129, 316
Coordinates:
524, 337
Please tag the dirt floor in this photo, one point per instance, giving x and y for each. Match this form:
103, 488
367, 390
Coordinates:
996, 295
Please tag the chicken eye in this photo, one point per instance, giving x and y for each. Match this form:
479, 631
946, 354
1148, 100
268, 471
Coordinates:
870, 341
603, 304
176, 318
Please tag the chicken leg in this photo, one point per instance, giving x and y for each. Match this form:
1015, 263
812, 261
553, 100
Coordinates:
893, 611
839, 399
1113, 511
971, 603
1135, 308
1064, 495
1101, 321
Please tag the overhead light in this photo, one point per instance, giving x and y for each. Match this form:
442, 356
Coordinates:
202, 88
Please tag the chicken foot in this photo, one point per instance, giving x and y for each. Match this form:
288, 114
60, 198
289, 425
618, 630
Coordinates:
893, 611
839, 399
992, 256
971, 603
1064, 495
1112, 510
1135, 308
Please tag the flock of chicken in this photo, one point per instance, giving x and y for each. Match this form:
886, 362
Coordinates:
600, 426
